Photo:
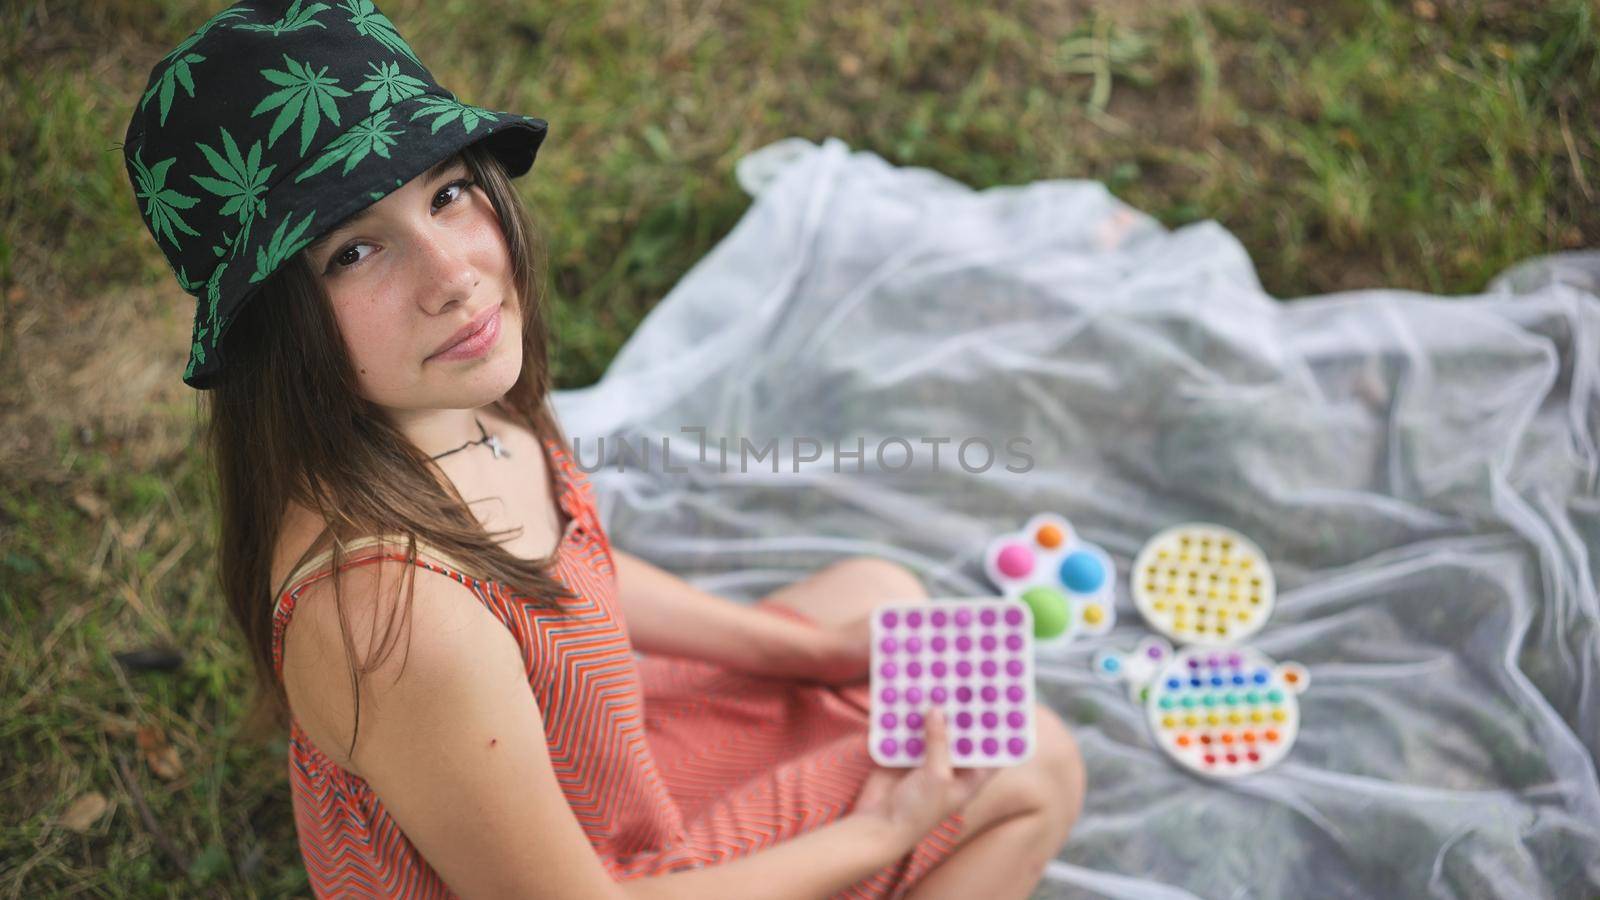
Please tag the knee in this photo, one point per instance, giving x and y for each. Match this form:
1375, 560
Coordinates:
1049, 786
883, 579
1040, 801
1060, 772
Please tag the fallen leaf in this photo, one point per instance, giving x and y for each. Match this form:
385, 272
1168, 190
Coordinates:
165, 763
133, 538
90, 503
160, 756
118, 726
252, 860
81, 814
1425, 10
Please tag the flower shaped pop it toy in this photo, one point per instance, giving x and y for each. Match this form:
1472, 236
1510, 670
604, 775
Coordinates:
1067, 582
1218, 712
973, 658
1203, 584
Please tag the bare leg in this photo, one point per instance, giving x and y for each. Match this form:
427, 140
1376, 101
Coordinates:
1003, 855
1003, 861
850, 589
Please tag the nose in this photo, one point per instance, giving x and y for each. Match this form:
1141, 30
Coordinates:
447, 275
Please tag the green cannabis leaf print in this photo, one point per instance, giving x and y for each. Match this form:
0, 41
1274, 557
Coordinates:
286, 242
445, 110
161, 202
370, 135
368, 21
189, 287
240, 180
198, 338
293, 20
176, 73
178, 61
389, 86
379, 195
197, 352
304, 93
214, 296
200, 32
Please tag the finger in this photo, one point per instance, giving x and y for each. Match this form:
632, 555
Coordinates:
937, 759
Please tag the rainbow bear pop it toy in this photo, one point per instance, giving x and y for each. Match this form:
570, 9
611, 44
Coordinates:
1203, 584
1218, 712
971, 657
1067, 582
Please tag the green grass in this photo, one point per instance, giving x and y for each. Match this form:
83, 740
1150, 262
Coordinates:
1347, 143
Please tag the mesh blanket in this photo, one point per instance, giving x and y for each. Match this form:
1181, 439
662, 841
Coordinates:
1422, 472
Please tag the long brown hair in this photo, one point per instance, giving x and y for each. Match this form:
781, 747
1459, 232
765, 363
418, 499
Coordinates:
285, 422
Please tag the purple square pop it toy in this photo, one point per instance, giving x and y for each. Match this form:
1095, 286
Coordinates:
973, 658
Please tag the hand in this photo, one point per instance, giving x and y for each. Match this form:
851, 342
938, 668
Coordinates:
841, 654
913, 801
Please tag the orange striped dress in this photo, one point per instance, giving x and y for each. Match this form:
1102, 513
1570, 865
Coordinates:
668, 764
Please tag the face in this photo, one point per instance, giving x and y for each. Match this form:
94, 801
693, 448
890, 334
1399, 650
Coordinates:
410, 273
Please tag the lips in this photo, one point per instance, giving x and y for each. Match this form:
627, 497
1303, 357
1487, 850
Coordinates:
471, 338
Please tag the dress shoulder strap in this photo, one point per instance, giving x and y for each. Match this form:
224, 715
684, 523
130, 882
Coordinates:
312, 568
574, 494
358, 551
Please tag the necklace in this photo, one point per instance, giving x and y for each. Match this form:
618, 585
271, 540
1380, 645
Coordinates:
493, 442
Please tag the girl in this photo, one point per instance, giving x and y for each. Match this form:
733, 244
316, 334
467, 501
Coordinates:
417, 566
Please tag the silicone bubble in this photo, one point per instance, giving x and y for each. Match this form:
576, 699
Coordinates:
1221, 713
1203, 584
1067, 582
974, 660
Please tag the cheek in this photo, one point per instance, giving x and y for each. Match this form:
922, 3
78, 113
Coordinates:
489, 246
375, 344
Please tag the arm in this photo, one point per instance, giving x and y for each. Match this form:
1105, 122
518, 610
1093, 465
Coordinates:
453, 741
819, 863
668, 616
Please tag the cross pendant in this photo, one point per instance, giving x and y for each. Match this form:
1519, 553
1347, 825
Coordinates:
495, 448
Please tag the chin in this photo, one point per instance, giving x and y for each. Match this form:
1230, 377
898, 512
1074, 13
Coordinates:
492, 378
466, 387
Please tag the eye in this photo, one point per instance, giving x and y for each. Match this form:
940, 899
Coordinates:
348, 258
458, 186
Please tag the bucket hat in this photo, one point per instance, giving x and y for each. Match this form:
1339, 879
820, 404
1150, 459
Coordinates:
271, 124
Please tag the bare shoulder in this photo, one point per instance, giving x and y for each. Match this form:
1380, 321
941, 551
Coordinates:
408, 650
447, 722
296, 532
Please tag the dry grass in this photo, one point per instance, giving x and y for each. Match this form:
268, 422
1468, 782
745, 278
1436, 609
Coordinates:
1349, 143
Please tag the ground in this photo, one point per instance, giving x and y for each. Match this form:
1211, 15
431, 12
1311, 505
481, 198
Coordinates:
1423, 144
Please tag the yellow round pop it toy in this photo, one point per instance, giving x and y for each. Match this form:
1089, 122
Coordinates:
1200, 583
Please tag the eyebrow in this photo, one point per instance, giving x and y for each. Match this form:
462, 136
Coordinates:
438, 169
